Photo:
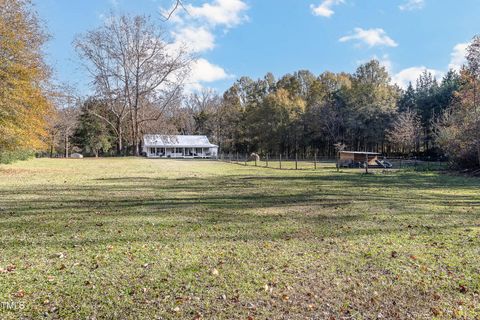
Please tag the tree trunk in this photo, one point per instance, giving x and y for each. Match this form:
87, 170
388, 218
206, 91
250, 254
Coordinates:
136, 148
478, 154
51, 149
66, 145
119, 138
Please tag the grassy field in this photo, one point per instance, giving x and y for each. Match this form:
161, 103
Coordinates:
164, 239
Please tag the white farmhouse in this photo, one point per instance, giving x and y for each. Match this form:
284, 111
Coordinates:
183, 147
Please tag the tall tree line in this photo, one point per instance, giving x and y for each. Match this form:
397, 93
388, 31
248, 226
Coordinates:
305, 113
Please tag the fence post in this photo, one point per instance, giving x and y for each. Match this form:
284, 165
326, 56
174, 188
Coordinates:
280, 161
255, 160
246, 159
267, 160
296, 161
315, 160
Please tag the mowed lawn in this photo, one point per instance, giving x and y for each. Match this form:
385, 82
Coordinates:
163, 239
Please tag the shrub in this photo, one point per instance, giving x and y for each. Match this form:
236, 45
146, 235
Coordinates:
17, 155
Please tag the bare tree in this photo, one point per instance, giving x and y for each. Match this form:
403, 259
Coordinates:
473, 63
339, 147
406, 131
135, 70
177, 4
67, 122
62, 123
204, 108
203, 100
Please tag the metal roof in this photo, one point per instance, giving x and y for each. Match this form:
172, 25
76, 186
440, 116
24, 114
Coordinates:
178, 141
361, 152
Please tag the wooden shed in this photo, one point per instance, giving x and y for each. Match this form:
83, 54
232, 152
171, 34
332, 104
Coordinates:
352, 157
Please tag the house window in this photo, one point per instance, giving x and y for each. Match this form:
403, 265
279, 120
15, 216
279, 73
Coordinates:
152, 150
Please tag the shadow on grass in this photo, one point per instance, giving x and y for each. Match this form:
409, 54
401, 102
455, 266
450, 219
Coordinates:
240, 207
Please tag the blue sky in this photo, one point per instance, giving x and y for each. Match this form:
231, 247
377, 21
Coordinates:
233, 38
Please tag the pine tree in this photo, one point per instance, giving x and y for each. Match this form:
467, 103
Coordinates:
91, 134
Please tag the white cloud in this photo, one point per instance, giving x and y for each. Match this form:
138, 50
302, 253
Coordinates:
325, 8
458, 56
411, 5
195, 30
371, 37
384, 61
410, 75
228, 13
202, 71
405, 76
195, 39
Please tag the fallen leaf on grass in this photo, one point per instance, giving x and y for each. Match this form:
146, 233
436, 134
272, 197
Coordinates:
10, 268
19, 294
435, 311
59, 255
215, 272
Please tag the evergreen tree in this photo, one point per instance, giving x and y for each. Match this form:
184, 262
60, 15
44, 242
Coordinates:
91, 134
408, 99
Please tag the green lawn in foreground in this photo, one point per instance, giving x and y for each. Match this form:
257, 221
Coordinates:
164, 239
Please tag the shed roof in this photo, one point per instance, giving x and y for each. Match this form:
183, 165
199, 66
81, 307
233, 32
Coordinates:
160, 140
362, 152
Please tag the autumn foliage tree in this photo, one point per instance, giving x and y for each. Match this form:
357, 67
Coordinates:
24, 102
458, 130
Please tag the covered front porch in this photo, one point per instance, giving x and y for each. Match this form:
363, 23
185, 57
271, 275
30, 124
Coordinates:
181, 152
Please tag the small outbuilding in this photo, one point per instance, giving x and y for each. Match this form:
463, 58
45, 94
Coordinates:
179, 147
76, 156
351, 158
